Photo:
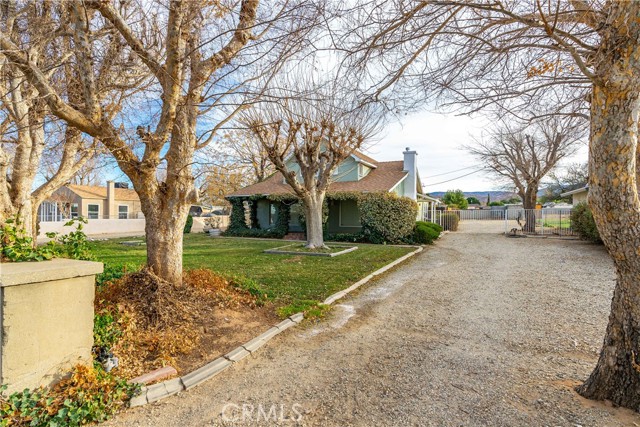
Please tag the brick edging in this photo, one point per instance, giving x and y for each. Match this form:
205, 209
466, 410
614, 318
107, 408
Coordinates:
168, 388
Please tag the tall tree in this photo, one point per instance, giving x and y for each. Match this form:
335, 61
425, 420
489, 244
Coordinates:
195, 55
523, 156
582, 58
455, 198
318, 132
574, 176
29, 136
244, 149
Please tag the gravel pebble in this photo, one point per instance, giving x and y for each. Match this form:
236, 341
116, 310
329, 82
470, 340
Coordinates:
477, 330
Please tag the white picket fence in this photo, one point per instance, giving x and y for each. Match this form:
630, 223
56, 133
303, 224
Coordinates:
556, 222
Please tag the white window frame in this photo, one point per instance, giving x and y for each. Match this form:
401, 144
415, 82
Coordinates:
75, 214
126, 213
89, 212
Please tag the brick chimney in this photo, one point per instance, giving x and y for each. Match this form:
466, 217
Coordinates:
411, 166
111, 201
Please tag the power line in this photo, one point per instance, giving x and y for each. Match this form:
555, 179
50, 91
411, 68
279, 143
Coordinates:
453, 179
450, 172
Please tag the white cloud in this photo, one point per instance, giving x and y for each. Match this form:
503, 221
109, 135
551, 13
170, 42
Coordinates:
438, 139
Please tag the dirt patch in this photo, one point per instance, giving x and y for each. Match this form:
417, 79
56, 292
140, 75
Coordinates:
182, 326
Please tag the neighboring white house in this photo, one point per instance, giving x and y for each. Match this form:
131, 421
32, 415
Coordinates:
114, 209
578, 195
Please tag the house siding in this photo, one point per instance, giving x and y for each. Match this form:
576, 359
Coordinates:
346, 171
400, 188
579, 197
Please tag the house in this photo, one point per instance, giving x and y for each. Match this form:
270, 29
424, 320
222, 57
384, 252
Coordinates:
115, 201
357, 173
578, 195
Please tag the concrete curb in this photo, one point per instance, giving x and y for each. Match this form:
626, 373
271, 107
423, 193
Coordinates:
168, 388
282, 251
340, 294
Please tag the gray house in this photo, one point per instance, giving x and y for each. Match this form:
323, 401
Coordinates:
357, 173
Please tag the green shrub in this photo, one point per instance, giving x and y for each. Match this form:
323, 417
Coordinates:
450, 221
89, 395
238, 227
106, 330
74, 244
114, 271
17, 246
237, 220
188, 225
432, 225
387, 218
346, 237
424, 234
583, 223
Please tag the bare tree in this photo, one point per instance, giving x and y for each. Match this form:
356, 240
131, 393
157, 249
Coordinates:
574, 176
29, 136
220, 180
318, 132
523, 156
247, 151
195, 55
581, 57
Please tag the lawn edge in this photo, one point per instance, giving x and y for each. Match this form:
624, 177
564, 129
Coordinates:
162, 390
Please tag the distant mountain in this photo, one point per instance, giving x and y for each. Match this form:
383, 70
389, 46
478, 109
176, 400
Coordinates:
481, 195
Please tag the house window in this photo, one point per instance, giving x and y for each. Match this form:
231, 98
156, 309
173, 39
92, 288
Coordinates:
272, 214
93, 211
123, 212
74, 210
349, 214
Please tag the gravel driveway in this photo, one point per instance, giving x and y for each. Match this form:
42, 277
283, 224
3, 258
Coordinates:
479, 329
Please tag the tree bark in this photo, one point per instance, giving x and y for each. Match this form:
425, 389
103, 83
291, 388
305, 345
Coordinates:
613, 197
313, 215
529, 203
164, 243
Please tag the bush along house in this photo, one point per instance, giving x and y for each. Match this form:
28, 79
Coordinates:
367, 200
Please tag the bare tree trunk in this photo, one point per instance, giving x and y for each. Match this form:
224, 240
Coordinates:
164, 240
529, 203
313, 217
613, 197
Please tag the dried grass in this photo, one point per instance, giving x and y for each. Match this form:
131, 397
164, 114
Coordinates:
159, 319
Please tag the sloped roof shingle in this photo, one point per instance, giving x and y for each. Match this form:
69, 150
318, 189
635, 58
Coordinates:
383, 178
96, 192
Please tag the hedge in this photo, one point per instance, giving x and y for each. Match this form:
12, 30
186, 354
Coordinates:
238, 225
188, 225
387, 218
425, 233
450, 221
583, 223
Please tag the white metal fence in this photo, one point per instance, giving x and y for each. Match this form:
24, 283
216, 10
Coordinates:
552, 221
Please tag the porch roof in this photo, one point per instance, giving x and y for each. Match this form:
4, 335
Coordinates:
427, 198
383, 178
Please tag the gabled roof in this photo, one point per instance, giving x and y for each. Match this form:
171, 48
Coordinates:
384, 177
358, 156
576, 191
96, 192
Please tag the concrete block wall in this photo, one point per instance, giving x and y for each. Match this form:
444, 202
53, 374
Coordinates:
46, 320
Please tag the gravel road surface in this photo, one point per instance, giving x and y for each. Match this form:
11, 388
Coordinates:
477, 330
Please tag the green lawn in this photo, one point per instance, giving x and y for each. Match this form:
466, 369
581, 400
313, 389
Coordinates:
286, 279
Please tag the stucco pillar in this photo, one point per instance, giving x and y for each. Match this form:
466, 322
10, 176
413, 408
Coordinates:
46, 320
